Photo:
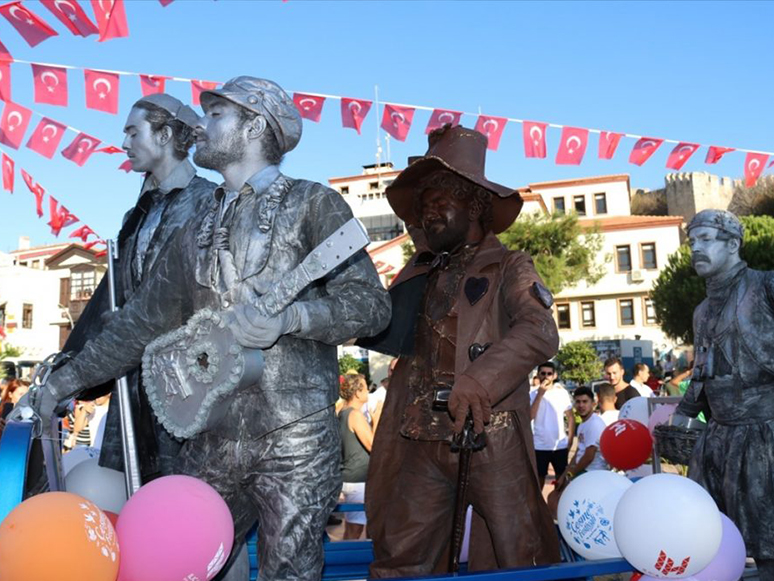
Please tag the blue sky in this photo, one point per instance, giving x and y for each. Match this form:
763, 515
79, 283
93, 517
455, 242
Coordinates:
691, 71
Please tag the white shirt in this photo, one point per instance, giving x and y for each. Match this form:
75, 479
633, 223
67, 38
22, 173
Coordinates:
609, 417
589, 433
548, 428
644, 390
374, 398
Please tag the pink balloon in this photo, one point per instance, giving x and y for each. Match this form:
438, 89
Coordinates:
661, 415
176, 527
728, 564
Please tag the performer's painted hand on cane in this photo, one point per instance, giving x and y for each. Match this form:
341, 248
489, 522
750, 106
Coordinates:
467, 396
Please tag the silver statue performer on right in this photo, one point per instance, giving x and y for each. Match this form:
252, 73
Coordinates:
733, 383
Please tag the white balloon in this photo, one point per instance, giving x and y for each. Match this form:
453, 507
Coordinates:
635, 409
104, 487
77, 455
586, 513
668, 526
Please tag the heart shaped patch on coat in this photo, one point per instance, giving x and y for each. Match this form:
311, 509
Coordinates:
475, 288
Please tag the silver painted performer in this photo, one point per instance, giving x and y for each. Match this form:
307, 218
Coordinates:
275, 455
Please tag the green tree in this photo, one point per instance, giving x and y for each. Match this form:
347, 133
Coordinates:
678, 290
579, 362
564, 253
6, 352
348, 363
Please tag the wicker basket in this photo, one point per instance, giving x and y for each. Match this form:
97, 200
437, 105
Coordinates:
675, 443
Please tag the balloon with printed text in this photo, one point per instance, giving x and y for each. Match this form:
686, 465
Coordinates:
626, 444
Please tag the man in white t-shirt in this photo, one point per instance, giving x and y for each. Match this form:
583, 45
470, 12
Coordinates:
550, 406
640, 374
587, 457
606, 403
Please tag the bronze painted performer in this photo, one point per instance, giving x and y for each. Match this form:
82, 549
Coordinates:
471, 319
733, 383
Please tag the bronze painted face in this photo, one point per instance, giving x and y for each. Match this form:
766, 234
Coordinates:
711, 256
445, 220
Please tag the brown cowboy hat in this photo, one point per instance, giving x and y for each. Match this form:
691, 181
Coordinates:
463, 152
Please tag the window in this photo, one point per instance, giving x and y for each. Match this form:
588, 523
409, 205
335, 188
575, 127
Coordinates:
649, 310
2, 315
648, 255
580, 205
373, 186
26, 316
588, 319
383, 227
344, 190
559, 205
82, 285
623, 258
563, 315
625, 312
600, 204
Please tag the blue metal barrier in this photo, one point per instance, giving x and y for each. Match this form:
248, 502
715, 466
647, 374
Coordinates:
14, 456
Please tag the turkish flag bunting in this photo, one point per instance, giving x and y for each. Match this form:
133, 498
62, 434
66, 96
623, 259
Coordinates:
13, 124
111, 19
81, 149
753, 167
572, 146
309, 106
37, 190
8, 173
151, 84
83, 233
715, 152
680, 155
353, 112
126, 165
46, 137
166, 3
4, 54
643, 149
93, 243
29, 25
608, 143
109, 149
101, 91
197, 87
50, 85
534, 134
70, 13
397, 120
5, 81
60, 217
493, 128
441, 117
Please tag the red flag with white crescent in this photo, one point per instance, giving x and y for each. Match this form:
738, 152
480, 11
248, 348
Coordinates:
397, 120
493, 128
166, 3
572, 146
754, 164
46, 137
309, 106
32, 28
715, 152
5, 81
4, 54
70, 13
608, 143
93, 243
197, 87
8, 173
83, 233
126, 165
534, 135
101, 91
680, 155
50, 84
110, 149
353, 112
151, 84
643, 149
59, 216
441, 117
111, 19
81, 149
13, 124
37, 190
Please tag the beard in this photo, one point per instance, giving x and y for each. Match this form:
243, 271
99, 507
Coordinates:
449, 237
219, 154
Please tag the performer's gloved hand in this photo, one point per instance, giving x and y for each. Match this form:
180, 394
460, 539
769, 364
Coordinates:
468, 395
252, 329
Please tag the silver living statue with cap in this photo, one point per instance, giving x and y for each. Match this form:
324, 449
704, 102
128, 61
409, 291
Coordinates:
733, 383
159, 132
275, 454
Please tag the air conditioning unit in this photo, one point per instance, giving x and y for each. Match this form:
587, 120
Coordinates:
637, 276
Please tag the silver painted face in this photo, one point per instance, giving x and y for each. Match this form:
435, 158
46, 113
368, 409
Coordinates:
710, 255
220, 139
142, 146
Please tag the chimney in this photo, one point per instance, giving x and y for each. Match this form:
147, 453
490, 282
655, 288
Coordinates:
24, 243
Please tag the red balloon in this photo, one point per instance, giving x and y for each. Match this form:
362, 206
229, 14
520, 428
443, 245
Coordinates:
626, 444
